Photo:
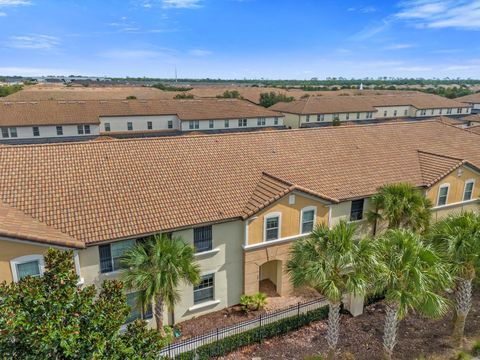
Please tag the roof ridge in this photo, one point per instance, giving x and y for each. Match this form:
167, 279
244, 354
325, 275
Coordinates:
440, 155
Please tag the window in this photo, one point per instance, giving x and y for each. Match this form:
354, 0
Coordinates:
129, 126
211, 124
13, 132
80, 129
468, 191
194, 124
358, 116
443, 195
394, 112
261, 121
59, 130
36, 131
272, 227
170, 124
385, 113
356, 211
433, 111
227, 123
149, 125
347, 116
307, 118
275, 120
459, 110
137, 309
369, 115
202, 238
440, 111
29, 265
111, 255
87, 129
449, 111
336, 117
405, 113
242, 122
308, 220
107, 126
423, 112
5, 133
205, 290
320, 117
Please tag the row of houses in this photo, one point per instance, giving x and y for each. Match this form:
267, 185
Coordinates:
240, 199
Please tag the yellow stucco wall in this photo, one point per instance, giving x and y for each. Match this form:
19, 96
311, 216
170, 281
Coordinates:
290, 217
457, 186
11, 250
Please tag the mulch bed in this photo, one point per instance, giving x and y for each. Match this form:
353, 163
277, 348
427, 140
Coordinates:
361, 337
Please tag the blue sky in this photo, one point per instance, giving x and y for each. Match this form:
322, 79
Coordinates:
269, 39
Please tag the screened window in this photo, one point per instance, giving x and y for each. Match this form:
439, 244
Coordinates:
5, 133
111, 255
13, 132
308, 219
242, 122
149, 125
202, 238
107, 126
272, 226
227, 123
129, 126
205, 290
170, 124
30, 268
36, 131
59, 130
442, 195
468, 192
356, 211
137, 309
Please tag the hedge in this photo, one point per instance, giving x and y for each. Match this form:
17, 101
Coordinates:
231, 343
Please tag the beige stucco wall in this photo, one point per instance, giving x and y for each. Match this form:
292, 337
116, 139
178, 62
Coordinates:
292, 120
457, 186
341, 211
10, 250
401, 111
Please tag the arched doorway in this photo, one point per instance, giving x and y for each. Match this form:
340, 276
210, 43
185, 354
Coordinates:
270, 278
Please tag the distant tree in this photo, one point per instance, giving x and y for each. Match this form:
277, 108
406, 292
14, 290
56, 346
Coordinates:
131, 97
271, 98
183, 96
6, 90
164, 87
51, 317
230, 94
336, 122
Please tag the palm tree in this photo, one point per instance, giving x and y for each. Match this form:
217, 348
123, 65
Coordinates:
410, 272
333, 263
458, 240
156, 268
401, 205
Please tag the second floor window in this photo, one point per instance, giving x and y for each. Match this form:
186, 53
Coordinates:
385, 113
468, 192
193, 124
80, 129
59, 130
356, 211
275, 120
272, 228
405, 113
442, 195
149, 125
320, 117
211, 124
13, 132
5, 133
202, 238
449, 111
129, 126
170, 124
242, 122
227, 123
358, 116
261, 121
36, 131
308, 219
111, 255
107, 126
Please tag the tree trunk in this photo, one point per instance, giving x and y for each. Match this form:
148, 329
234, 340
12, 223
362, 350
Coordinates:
390, 330
463, 303
159, 315
333, 328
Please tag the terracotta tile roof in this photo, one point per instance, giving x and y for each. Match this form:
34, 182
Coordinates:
17, 225
434, 166
474, 129
363, 103
472, 117
52, 112
99, 191
471, 99
452, 121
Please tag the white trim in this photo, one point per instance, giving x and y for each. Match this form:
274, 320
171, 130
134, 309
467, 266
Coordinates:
469, 181
307, 208
76, 259
445, 185
208, 252
274, 242
204, 304
269, 216
25, 259
329, 216
455, 204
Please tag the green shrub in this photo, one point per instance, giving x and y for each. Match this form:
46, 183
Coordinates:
336, 122
476, 348
131, 97
253, 302
462, 355
313, 357
183, 96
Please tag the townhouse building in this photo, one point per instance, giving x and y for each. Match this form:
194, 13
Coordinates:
472, 100
60, 121
240, 199
323, 110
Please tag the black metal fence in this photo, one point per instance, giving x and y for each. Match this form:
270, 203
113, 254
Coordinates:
192, 344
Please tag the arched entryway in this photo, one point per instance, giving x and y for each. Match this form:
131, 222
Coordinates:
270, 278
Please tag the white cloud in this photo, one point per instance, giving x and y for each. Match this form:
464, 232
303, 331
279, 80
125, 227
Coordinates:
462, 14
398, 46
3, 14
200, 52
131, 54
11, 3
33, 41
364, 10
182, 4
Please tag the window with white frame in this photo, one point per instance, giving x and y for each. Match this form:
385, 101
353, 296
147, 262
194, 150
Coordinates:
385, 113
459, 110
138, 310
347, 116
107, 126
275, 120
211, 124
36, 131
320, 117
423, 112
111, 255
242, 122
261, 121
29, 265
227, 123
307, 219
170, 124
356, 210
468, 191
307, 118
9, 132
405, 113
443, 195
205, 291
5, 133
440, 111
193, 124
358, 116
203, 238
129, 126
449, 111
149, 125
272, 227
59, 130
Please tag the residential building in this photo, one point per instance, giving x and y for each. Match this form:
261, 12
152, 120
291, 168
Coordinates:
471, 100
240, 199
323, 110
60, 121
